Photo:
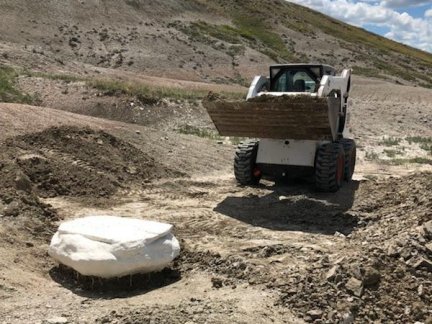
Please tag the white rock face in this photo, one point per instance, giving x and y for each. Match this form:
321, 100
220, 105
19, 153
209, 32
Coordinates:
110, 246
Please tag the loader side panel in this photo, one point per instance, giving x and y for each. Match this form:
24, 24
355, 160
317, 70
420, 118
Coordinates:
299, 117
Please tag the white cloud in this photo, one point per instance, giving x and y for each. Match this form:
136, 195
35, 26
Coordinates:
428, 13
402, 27
404, 3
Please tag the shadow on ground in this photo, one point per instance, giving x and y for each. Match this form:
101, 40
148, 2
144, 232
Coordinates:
124, 287
295, 207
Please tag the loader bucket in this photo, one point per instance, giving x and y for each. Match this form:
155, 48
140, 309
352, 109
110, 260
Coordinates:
301, 117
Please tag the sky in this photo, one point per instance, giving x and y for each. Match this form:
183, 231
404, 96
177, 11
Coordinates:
405, 21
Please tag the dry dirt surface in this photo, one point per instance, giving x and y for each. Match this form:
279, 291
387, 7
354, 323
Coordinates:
271, 253
379, 110
266, 254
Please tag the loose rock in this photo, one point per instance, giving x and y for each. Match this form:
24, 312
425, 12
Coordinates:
355, 287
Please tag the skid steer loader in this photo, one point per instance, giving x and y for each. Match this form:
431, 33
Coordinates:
299, 115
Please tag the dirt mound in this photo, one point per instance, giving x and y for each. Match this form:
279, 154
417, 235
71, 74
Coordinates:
73, 161
382, 270
16, 193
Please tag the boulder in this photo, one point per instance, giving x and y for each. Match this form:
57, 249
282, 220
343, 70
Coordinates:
110, 246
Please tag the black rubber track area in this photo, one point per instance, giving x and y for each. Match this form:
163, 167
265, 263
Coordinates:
245, 163
327, 167
350, 150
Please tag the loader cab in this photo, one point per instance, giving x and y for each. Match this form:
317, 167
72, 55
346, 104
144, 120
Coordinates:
298, 77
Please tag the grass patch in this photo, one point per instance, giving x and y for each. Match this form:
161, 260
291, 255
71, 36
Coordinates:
248, 30
392, 153
200, 132
419, 140
390, 141
416, 160
207, 133
8, 90
222, 32
368, 72
390, 69
371, 177
254, 28
144, 91
371, 156
425, 143
54, 76
427, 147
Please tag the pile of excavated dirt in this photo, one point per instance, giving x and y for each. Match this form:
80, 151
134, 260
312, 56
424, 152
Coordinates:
61, 161
26, 223
381, 271
71, 161
65, 161
17, 196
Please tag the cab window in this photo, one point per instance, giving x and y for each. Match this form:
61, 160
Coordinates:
294, 80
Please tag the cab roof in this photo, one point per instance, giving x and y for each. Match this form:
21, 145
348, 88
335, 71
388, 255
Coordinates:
302, 65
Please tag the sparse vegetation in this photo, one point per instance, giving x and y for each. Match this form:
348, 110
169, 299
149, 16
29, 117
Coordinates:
417, 160
367, 71
136, 89
427, 147
425, 143
390, 141
372, 156
113, 87
207, 133
419, 140
253, 28
248, 29
8, 90
392, 153
54, 76
200, 132
222, 32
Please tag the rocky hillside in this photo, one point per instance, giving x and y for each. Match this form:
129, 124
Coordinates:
216, 41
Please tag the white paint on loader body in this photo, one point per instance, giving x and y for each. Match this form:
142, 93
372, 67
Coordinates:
287, 152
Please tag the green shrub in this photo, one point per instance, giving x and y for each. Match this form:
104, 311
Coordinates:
390, 141
8, 90
200, 132
372, 156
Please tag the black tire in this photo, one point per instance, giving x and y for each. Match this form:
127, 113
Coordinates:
245, 170
329, 167
350, 150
